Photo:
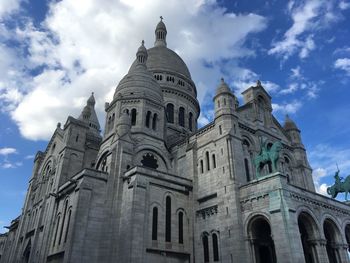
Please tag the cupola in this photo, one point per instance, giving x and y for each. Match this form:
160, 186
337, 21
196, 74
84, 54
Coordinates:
160, 34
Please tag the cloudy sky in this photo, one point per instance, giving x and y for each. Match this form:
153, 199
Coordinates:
53, 54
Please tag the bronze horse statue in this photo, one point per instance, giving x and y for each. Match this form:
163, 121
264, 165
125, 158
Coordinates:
267, 155
339, 186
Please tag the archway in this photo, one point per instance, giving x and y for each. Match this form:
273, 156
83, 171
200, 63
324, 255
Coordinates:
262, 243
308, 232
331, 234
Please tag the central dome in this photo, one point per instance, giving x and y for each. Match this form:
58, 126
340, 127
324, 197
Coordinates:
162, 58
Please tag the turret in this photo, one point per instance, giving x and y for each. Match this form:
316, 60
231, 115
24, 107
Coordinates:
292, 130
225, 101
89, 116
160, 34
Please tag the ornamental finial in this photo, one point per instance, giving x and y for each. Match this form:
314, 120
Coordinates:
161, 18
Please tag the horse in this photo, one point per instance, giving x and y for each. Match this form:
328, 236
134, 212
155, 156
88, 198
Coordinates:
340, 187
268, 155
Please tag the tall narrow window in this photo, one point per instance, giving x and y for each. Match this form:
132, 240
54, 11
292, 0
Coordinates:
154, 121
133, 117
202, 166
205, 248
215, 247
170, 112
214, 161
67, 227
182, 116
190, 121
148, 117
181, 230
56, 230
155, 223
246, 165
207, 160
168, 219
63, 221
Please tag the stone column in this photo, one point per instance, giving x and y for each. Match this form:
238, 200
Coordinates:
321, 250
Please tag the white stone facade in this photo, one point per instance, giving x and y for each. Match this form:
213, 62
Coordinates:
154, 188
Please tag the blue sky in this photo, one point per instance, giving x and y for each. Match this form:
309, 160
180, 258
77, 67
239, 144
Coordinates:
55, 53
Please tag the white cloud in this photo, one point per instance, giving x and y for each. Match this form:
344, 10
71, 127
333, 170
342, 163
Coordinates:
9, 165
85, 46
344, 5
291, 89
8, 6
343, 64
287, 108
296, 73
7, 150
309, 16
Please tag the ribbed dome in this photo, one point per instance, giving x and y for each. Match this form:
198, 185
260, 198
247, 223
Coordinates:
289, 124
139, 82
164, 59
161, 25
223, 88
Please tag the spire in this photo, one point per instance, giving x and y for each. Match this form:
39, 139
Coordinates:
223, 87
89, 116
160, 34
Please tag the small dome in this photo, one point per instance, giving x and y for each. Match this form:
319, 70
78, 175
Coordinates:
161, 25
289, 124
223, 88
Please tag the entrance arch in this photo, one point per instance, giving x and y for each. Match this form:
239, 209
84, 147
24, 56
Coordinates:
331, 233
308, 233
263, 247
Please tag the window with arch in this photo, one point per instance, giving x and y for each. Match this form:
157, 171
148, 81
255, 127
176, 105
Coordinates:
181, 227
215, 247
133, 117
155, 223
168, 219
205, 247
154, 121
214, 161
207, 160
150, 161
170, 112
148, 117
246, 166
182, 116
201, 166
67, 226
63, 220
190, 121
58, 219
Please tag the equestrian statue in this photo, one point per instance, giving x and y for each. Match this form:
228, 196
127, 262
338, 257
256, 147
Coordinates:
267, 155
340, 186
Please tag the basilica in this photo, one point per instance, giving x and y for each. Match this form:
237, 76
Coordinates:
156, 188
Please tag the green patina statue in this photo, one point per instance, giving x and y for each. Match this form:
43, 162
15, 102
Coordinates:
267, 155
340, 186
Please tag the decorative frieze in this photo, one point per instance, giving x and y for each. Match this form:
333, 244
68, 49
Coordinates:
207, 212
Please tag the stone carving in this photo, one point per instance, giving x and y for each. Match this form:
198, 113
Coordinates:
340, 186
267, 155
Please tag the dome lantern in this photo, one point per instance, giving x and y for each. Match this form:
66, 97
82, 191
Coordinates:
160, 34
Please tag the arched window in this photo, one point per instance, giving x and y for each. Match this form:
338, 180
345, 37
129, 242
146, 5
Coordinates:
148, 117
63, 221
214, 161
133, 117
246, 165
56, 230
182, 116
170, 112
181, 230
155, 223
67, 227
215, 247
207, 160
190, 121
205, 248
202, 166
154, 121
168, 219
